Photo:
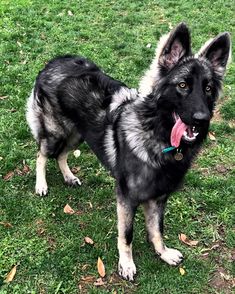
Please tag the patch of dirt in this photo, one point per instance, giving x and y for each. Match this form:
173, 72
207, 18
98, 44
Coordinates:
217, 115
219, 169
222, 281
110, 283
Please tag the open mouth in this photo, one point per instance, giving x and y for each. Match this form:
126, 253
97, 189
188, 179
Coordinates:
182, 131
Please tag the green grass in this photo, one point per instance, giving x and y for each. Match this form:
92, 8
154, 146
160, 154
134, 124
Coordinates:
47, 244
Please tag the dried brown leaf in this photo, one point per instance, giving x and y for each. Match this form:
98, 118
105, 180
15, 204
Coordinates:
10, 276
183, 238
88, 279
75, 169
99, 282
3, 97
85, 267
78, 212
12, 110
100, 267
88, 240
26, 169
212, 136
8, 176
68, 209
6, 224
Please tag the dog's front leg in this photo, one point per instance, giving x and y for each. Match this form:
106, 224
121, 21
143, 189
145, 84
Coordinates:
125, 212
154, 216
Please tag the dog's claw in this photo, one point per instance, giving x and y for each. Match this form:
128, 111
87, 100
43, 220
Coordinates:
127, 270
172, 256
73, 181
41, 190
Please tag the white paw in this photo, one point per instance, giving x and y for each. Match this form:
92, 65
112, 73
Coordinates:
172, 256
127, 269
73, 181
41, 189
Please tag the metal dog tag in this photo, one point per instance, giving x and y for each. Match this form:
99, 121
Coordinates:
178, 156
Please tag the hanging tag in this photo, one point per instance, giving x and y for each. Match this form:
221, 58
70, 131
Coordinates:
178, 156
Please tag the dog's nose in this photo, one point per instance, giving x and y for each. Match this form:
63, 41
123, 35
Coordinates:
201, 116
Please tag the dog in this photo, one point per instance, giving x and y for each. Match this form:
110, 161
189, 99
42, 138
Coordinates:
146, 138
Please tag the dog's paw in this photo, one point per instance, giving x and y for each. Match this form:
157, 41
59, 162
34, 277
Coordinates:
72, 181
172, 256
127, 269
41, 189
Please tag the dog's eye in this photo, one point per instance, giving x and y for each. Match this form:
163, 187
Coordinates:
208, 89
182, 85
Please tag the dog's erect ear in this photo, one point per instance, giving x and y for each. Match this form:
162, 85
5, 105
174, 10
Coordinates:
217, 51
177, 46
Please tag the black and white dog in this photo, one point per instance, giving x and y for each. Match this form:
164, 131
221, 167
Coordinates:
146, 138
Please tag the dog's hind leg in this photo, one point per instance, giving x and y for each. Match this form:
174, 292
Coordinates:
41, 184
154, 214
69, 177
126, 266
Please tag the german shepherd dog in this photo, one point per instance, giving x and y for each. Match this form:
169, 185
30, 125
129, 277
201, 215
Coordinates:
147, 139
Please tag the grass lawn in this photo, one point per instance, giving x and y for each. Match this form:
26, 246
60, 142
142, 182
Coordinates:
46, 244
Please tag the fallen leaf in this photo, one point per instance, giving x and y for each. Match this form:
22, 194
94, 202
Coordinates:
185, 240
89, 240
12, 110
75, 169
100, 267
3, 97
77, 153
6, 224
26, 169
182, 271
99, 282
225, 276
10, 276
88, 279
215, 246
170, 26
8, 176
68, 209
85, 267
205, 255
90, 204
212, 136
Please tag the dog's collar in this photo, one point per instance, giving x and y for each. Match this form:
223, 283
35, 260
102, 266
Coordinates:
168, 149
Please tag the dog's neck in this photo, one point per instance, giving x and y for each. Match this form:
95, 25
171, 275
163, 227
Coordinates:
147, 132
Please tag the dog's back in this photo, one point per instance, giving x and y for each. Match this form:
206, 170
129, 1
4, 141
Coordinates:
68, 102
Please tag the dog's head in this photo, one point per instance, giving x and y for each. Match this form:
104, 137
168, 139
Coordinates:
186, 85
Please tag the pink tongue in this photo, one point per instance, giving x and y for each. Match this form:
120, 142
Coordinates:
177, 132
